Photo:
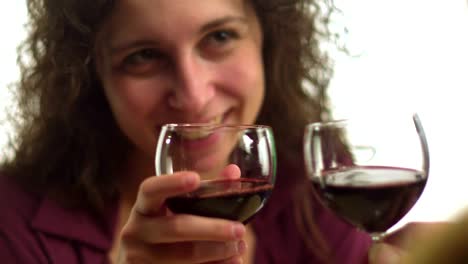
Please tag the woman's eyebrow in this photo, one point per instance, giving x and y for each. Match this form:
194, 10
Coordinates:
124, 45
224, 20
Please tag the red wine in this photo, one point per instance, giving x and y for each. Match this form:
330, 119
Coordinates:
371, 198
237, 200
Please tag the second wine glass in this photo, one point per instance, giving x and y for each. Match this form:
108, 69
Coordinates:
236, 164
369, 171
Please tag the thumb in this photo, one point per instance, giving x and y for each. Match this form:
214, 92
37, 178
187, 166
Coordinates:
383, 253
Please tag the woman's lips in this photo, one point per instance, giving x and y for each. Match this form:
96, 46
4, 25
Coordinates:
201, 130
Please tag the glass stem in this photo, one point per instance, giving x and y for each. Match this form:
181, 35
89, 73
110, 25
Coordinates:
377, 237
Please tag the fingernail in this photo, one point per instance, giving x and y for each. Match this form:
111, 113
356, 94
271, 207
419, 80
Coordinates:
238, 261
190, 180
241, 247
238, 230
384, 254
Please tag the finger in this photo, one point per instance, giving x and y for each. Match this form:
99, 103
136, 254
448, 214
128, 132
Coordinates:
154, 190
231, 172
185, 252
406, 235
447, 246
383, 253
233, 260
202, 252
182, 227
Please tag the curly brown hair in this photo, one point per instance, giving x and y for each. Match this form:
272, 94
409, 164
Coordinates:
67, 143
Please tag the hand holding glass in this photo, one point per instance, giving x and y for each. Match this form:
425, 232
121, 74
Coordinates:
236, 164
368, 171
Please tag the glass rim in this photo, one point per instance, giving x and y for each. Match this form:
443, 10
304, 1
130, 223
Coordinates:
174, 126
334, 122
326, 123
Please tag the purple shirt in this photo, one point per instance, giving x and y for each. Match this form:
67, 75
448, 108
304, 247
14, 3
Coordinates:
37, 230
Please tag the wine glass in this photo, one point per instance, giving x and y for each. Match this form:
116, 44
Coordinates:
236, 164
369, 171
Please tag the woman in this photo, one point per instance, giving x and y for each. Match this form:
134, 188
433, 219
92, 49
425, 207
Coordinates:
99, 78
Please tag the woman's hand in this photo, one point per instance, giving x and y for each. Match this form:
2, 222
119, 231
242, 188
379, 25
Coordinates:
448, 246
154, 235
396, 246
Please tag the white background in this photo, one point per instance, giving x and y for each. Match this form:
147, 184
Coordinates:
413, 55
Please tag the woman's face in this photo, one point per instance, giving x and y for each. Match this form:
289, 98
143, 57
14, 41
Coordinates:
180, 61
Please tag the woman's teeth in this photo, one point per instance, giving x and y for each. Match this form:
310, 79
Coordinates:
193, 135
215, 121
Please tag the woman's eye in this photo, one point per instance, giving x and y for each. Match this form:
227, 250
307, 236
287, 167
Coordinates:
142, 56
144, 61
219, 43
222, 36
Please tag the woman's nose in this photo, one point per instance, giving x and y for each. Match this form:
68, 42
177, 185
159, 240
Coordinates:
192, 88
